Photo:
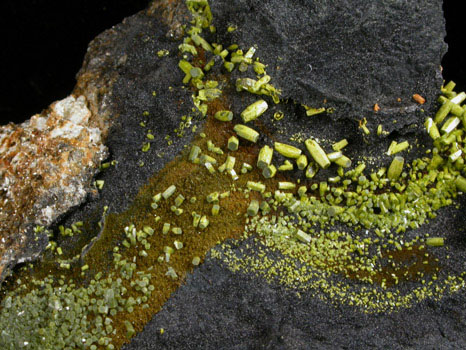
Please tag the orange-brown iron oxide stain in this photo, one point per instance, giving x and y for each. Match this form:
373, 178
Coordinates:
191, 180
408, 264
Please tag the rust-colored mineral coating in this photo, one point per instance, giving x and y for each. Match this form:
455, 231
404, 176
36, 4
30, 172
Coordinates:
173, 13
46, 167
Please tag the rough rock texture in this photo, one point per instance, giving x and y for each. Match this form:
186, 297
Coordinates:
347, 53
351, 53
30, 156
46, 166
219, 309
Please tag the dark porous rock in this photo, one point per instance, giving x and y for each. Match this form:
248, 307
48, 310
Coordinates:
219, 309
353, 54
343, 55
127, 79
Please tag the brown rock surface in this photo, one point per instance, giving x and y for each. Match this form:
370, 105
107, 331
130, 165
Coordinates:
46, 167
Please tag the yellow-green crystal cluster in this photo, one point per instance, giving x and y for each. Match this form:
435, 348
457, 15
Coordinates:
354, 226
342, 240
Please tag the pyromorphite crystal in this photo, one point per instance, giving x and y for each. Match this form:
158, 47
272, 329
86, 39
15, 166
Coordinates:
254, 111
224, 116
301, 162
396, 167
460, 183
303, 236
169, 192
246, 132
317, 153
435, 241
269, 171
340, 145
256, 186
265, 157
285, 185
253, 208
287, 150
196, 260
233, 143
379, 213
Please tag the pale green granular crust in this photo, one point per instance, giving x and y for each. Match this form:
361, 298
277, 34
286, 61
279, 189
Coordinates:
401, 206
59, 315
367, 262
267, 261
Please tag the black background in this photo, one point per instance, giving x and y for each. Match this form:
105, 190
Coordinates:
454, 62
43, 43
